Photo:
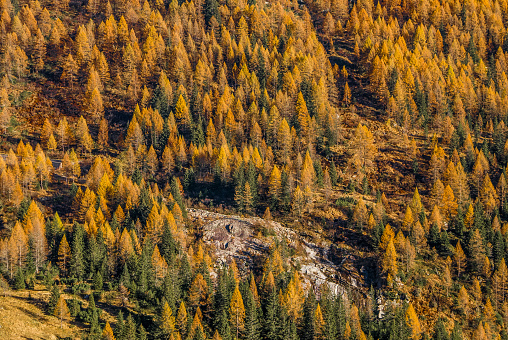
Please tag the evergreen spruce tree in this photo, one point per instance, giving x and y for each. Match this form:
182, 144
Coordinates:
252, 326
120, 327
270, 320
53, 299
125, 278
130, 328
177, 195
221, 305
142, 334
168, 246
440, 332
184, 275
457, 332
308, 316
77, 264
283, 323
319, 173
95, 255
251, 178
30, 257
335, 316
211, 9
19, 279
98, 282
144, 268
333, 173
169, 290
91, 306
95, 330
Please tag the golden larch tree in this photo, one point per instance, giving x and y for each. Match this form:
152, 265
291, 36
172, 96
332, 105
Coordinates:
237, 311
64, 254
107, 332
459, 258
364, 148
319, 324
61, 310
167, 320
389, 260
413, 322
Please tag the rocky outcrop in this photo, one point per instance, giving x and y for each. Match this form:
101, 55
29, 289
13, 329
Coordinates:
238, 237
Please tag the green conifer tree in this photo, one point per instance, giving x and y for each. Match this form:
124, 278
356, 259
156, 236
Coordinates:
77, 263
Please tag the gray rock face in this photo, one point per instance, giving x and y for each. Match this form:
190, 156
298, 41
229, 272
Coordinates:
231, 237
235, 237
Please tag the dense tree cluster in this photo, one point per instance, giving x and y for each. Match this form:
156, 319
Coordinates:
237, 102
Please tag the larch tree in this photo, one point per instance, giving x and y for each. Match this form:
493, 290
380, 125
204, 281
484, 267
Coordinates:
284, 139
83, 135
159, 264
51, 145
167, 321
182, 111
41, 168
75, 167
408, 221
477, 251
274, 185
387, 236
294, 297
416, 203
152, 162
448, 205
5, 109
308, 173
459, 258
69, 71
463, 300
237, 311
64, 254
181, 319
103, 136
389, 261
61, 310
499, 282
319, 324
107, 332
167, 161
94, 105
364, 148
360, 214
298, 202
413, 322
63, 132
199, 292
38, 243
347, 95
19, 245
302, 116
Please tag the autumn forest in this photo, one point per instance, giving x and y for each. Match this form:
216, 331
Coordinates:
248, 169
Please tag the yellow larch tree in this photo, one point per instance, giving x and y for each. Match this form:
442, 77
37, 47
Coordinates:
107, 332
389, 260
294, 297
62, 311
459, 258
64, 254
167, 320
448, 205
237, 311
413, 322
364, 148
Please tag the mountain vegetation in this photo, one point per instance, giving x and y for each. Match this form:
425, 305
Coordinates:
377, 127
